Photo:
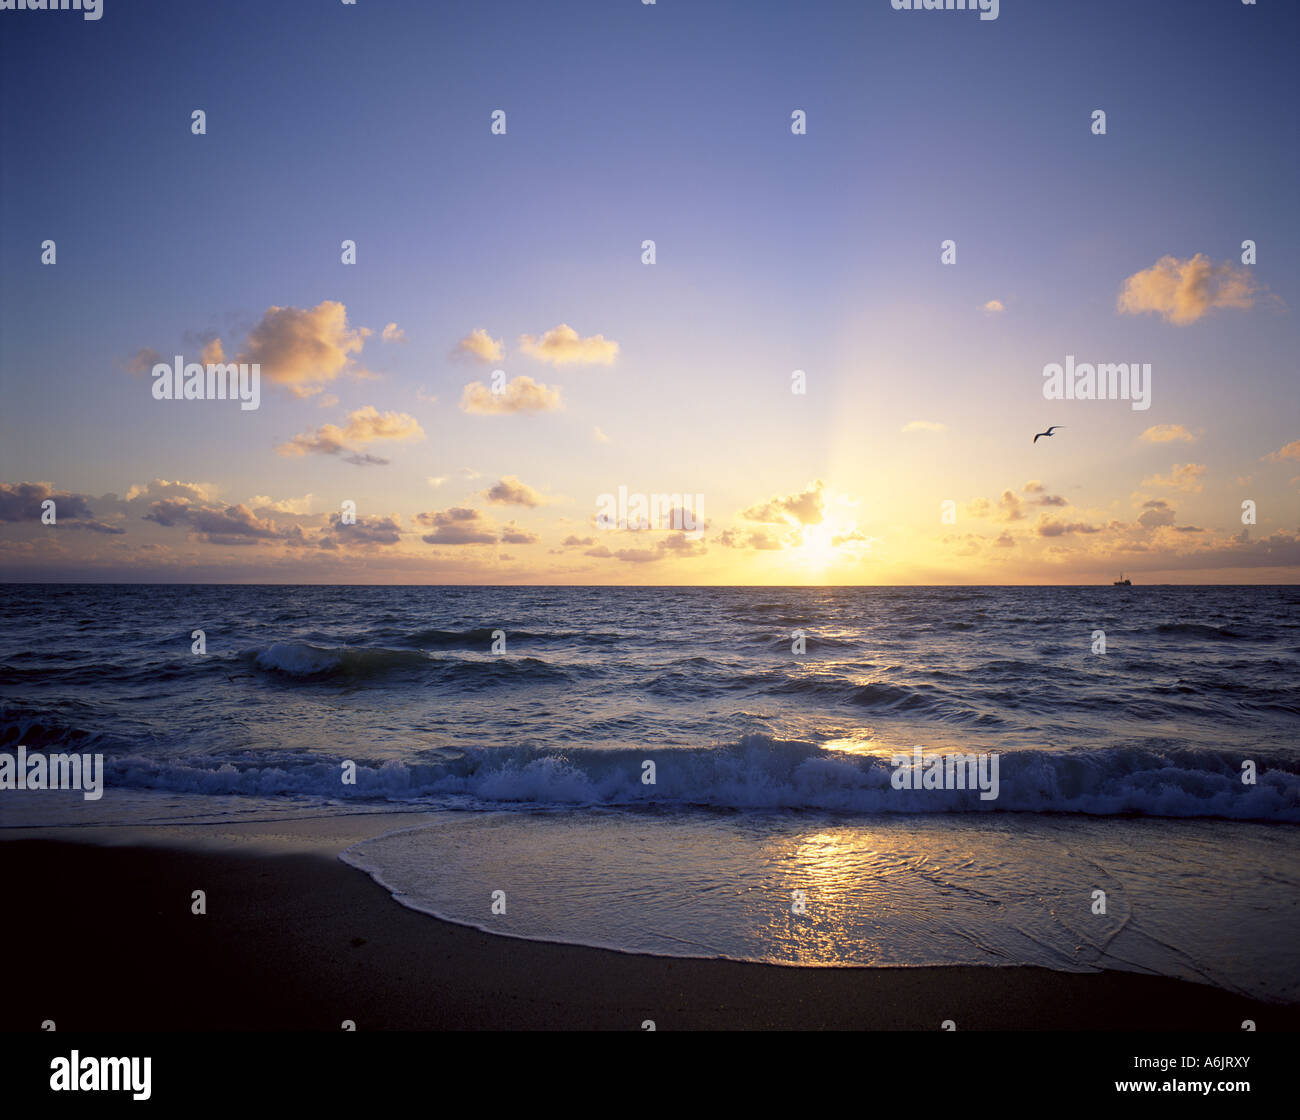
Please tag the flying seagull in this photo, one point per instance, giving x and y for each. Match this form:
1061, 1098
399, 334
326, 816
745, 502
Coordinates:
1052, 428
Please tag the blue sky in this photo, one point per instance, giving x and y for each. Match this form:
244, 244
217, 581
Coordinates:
775, 252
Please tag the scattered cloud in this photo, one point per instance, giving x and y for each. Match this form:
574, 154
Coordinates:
365, 425
217, 524
143, 360
161, 488
511, 492
1167, 433
304, 349
512, 534
522, 394
458, 525
364, 532
1290, 451
23, 502
284, 505
923, 426
479, 346
1184, 291
562, 346
1186, 477
1049, 527
805, 508
1156, 513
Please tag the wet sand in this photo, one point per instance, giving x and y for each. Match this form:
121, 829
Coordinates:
100, 936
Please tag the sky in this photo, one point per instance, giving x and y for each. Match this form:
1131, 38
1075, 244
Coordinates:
379, 451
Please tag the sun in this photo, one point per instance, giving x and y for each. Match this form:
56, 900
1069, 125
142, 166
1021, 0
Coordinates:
816, 548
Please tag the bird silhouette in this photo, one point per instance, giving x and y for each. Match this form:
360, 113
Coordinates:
1050, 429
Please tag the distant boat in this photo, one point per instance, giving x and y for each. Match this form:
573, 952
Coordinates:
1122, 582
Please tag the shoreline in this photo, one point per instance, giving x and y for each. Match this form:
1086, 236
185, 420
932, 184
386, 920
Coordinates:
296, 939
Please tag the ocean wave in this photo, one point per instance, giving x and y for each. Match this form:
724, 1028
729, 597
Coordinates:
481, 637
42, 731
303, 661
756, 773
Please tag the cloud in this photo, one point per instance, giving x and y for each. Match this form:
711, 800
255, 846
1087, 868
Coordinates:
678, 545
1050, 527
1006, 540
96, 527
563, 346
161, 488
577, 542
1185, 477
303, 349
1157, 512
365, 425
600, 436
285, 505
1290, 451
436, 480
392, 333
806, 508
851, 535
143, 360
1185, 291
22, 502
458, 525
994, 306
923, 426
216, 524
361, 533
1167, 433
1033, 486
511, 492
763, 540
479, 346
523, 394
512, 534
1009, 505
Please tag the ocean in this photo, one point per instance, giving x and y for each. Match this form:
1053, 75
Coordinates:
714, 771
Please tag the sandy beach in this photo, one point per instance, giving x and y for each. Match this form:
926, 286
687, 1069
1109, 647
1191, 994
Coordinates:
293, 939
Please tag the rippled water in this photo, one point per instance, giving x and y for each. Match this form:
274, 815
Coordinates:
403, 681
1118, 772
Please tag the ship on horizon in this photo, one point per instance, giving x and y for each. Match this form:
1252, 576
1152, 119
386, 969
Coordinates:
1122, 582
